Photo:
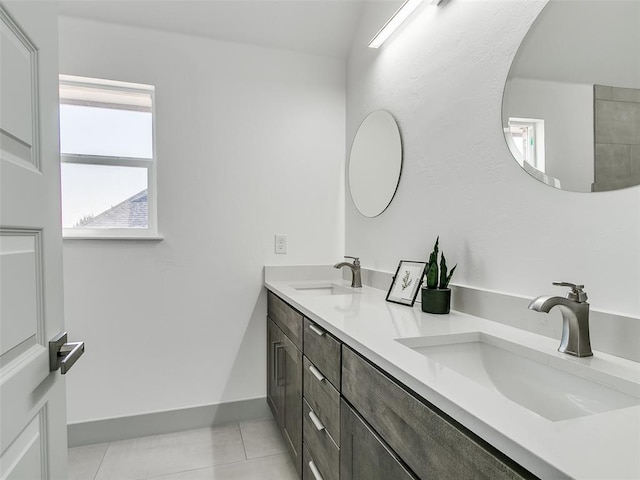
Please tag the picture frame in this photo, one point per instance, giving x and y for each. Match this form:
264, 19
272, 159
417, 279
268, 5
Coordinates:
406, 282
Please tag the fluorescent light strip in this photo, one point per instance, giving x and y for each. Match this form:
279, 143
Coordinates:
394, 22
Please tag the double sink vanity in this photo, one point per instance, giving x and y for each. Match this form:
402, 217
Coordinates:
365, 389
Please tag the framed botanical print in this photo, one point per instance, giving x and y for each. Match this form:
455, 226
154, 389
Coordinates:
406, 282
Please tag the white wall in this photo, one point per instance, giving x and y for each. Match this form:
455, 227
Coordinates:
567, 111
250, 142
442, 77
597, 41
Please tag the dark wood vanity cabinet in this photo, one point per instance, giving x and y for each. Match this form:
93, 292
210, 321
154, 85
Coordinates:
284, 374
343, 418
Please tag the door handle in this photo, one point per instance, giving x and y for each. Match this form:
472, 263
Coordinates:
63, 354
274, 360
278, 347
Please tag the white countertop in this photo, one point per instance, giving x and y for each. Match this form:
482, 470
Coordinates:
604, 446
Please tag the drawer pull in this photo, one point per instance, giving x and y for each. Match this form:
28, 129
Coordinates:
316, 330
316, 373
314, 470
316, 421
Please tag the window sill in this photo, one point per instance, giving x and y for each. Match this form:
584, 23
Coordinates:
150, 238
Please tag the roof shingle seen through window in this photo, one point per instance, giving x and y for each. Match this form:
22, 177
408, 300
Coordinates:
131, 213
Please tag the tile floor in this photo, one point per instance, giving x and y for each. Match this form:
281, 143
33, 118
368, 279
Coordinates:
245, 451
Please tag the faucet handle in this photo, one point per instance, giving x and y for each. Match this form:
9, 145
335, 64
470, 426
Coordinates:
577, 294
356, 260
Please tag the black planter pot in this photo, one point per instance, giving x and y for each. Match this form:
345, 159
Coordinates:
436, 300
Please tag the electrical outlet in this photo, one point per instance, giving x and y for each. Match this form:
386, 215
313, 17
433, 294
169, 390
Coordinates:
281, 243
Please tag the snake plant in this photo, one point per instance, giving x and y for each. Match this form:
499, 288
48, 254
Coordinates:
433, 280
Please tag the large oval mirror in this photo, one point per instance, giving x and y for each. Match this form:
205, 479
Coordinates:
375, 163
571, 106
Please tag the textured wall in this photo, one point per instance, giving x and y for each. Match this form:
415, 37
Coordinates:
442, 77
250, 142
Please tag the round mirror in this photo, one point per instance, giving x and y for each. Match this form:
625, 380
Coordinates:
375, 163
571, 105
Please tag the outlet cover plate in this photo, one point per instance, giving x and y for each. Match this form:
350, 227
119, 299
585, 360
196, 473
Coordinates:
281, 243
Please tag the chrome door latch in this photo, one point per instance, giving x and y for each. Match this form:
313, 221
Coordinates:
62, 355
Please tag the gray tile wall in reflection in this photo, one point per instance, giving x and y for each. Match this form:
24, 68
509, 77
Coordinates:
617, 137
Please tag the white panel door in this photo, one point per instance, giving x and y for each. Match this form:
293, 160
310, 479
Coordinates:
33, 439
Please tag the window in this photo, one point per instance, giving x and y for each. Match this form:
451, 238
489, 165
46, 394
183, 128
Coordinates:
108, 160
525, 137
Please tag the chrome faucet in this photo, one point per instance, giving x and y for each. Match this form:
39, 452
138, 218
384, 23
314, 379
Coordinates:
575, 318
356, 279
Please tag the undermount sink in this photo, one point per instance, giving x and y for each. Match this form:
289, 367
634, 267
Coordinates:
524, 375
324, 289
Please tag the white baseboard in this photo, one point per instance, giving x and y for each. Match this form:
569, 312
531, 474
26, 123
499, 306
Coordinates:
156, 423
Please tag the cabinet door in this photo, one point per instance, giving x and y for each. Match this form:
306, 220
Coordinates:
275, 371
363, 455
292, 414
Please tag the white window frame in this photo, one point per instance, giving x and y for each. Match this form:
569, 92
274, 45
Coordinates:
151, 232
536, 151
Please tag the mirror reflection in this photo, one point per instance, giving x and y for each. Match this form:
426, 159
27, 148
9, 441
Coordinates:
571, 106
375, 163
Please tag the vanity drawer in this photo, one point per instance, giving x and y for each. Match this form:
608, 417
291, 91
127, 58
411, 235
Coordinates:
431, 444
364, 456
323, 350
323, 450
323, 399
309, 468
288, 319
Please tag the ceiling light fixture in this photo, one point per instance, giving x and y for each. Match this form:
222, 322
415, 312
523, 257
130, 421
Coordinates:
396, 20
